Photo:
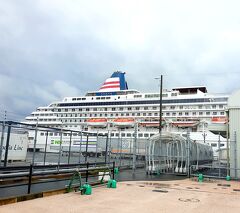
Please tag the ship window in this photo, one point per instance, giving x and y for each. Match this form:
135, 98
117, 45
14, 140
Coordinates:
145, 108
140, 135
200, 113
214, 113
59, 110
172, 107
122, 114
174, 113
186, 113
221, 113
222, 144
149, 114
80, 109
207, 113
50, 134
66, 110
123, 134
129, 108
127, 114
74, 99
133, 114
41, 133
151, 134
214, 145
146, 135
137, 108
117, 134
154, 108
144, 114
113, 109
112, 134
107, 97
220, 106
128, 134
138, 114
83, 99
167, 114
194, 113
102, 98
214, 106
98, 98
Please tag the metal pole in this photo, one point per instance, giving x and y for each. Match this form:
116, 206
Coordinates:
86, 155
2, 137
87, 171
235, 153
109, 146
45, 150
120, 162
80, 149
160, 111
188, 153
160, 102
60, 148
106, 149
96, 154
228, 165
118, 143
219, 170
7, 144
70, 145
30, 178
134, 148
35, 142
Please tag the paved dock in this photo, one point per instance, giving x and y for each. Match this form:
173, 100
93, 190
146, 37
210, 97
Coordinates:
141, 196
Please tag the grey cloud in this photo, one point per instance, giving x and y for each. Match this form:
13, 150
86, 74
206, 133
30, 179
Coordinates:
52, 49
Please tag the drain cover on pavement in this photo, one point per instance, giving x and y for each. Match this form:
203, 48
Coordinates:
160, 190
194, 200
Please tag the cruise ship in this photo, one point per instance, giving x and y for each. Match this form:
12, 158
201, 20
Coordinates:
116, 109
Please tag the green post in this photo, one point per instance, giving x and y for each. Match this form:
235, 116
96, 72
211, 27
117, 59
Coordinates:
116, 171
200, 178
228, 178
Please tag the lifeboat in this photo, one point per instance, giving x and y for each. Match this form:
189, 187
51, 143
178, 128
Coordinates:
98, 122
185, 123
124, 122
151, 123
219, 120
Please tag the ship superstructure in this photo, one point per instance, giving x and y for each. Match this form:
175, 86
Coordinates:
117, 109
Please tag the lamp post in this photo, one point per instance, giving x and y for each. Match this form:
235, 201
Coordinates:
160, 101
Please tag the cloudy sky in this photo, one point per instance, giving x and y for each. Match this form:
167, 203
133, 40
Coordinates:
55, 48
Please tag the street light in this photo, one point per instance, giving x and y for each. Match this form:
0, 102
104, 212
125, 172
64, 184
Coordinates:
160, 101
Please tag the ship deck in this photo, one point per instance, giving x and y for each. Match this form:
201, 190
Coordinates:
141, 196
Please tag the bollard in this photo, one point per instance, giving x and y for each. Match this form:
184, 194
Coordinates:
86, 189
112, 184
200, 178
